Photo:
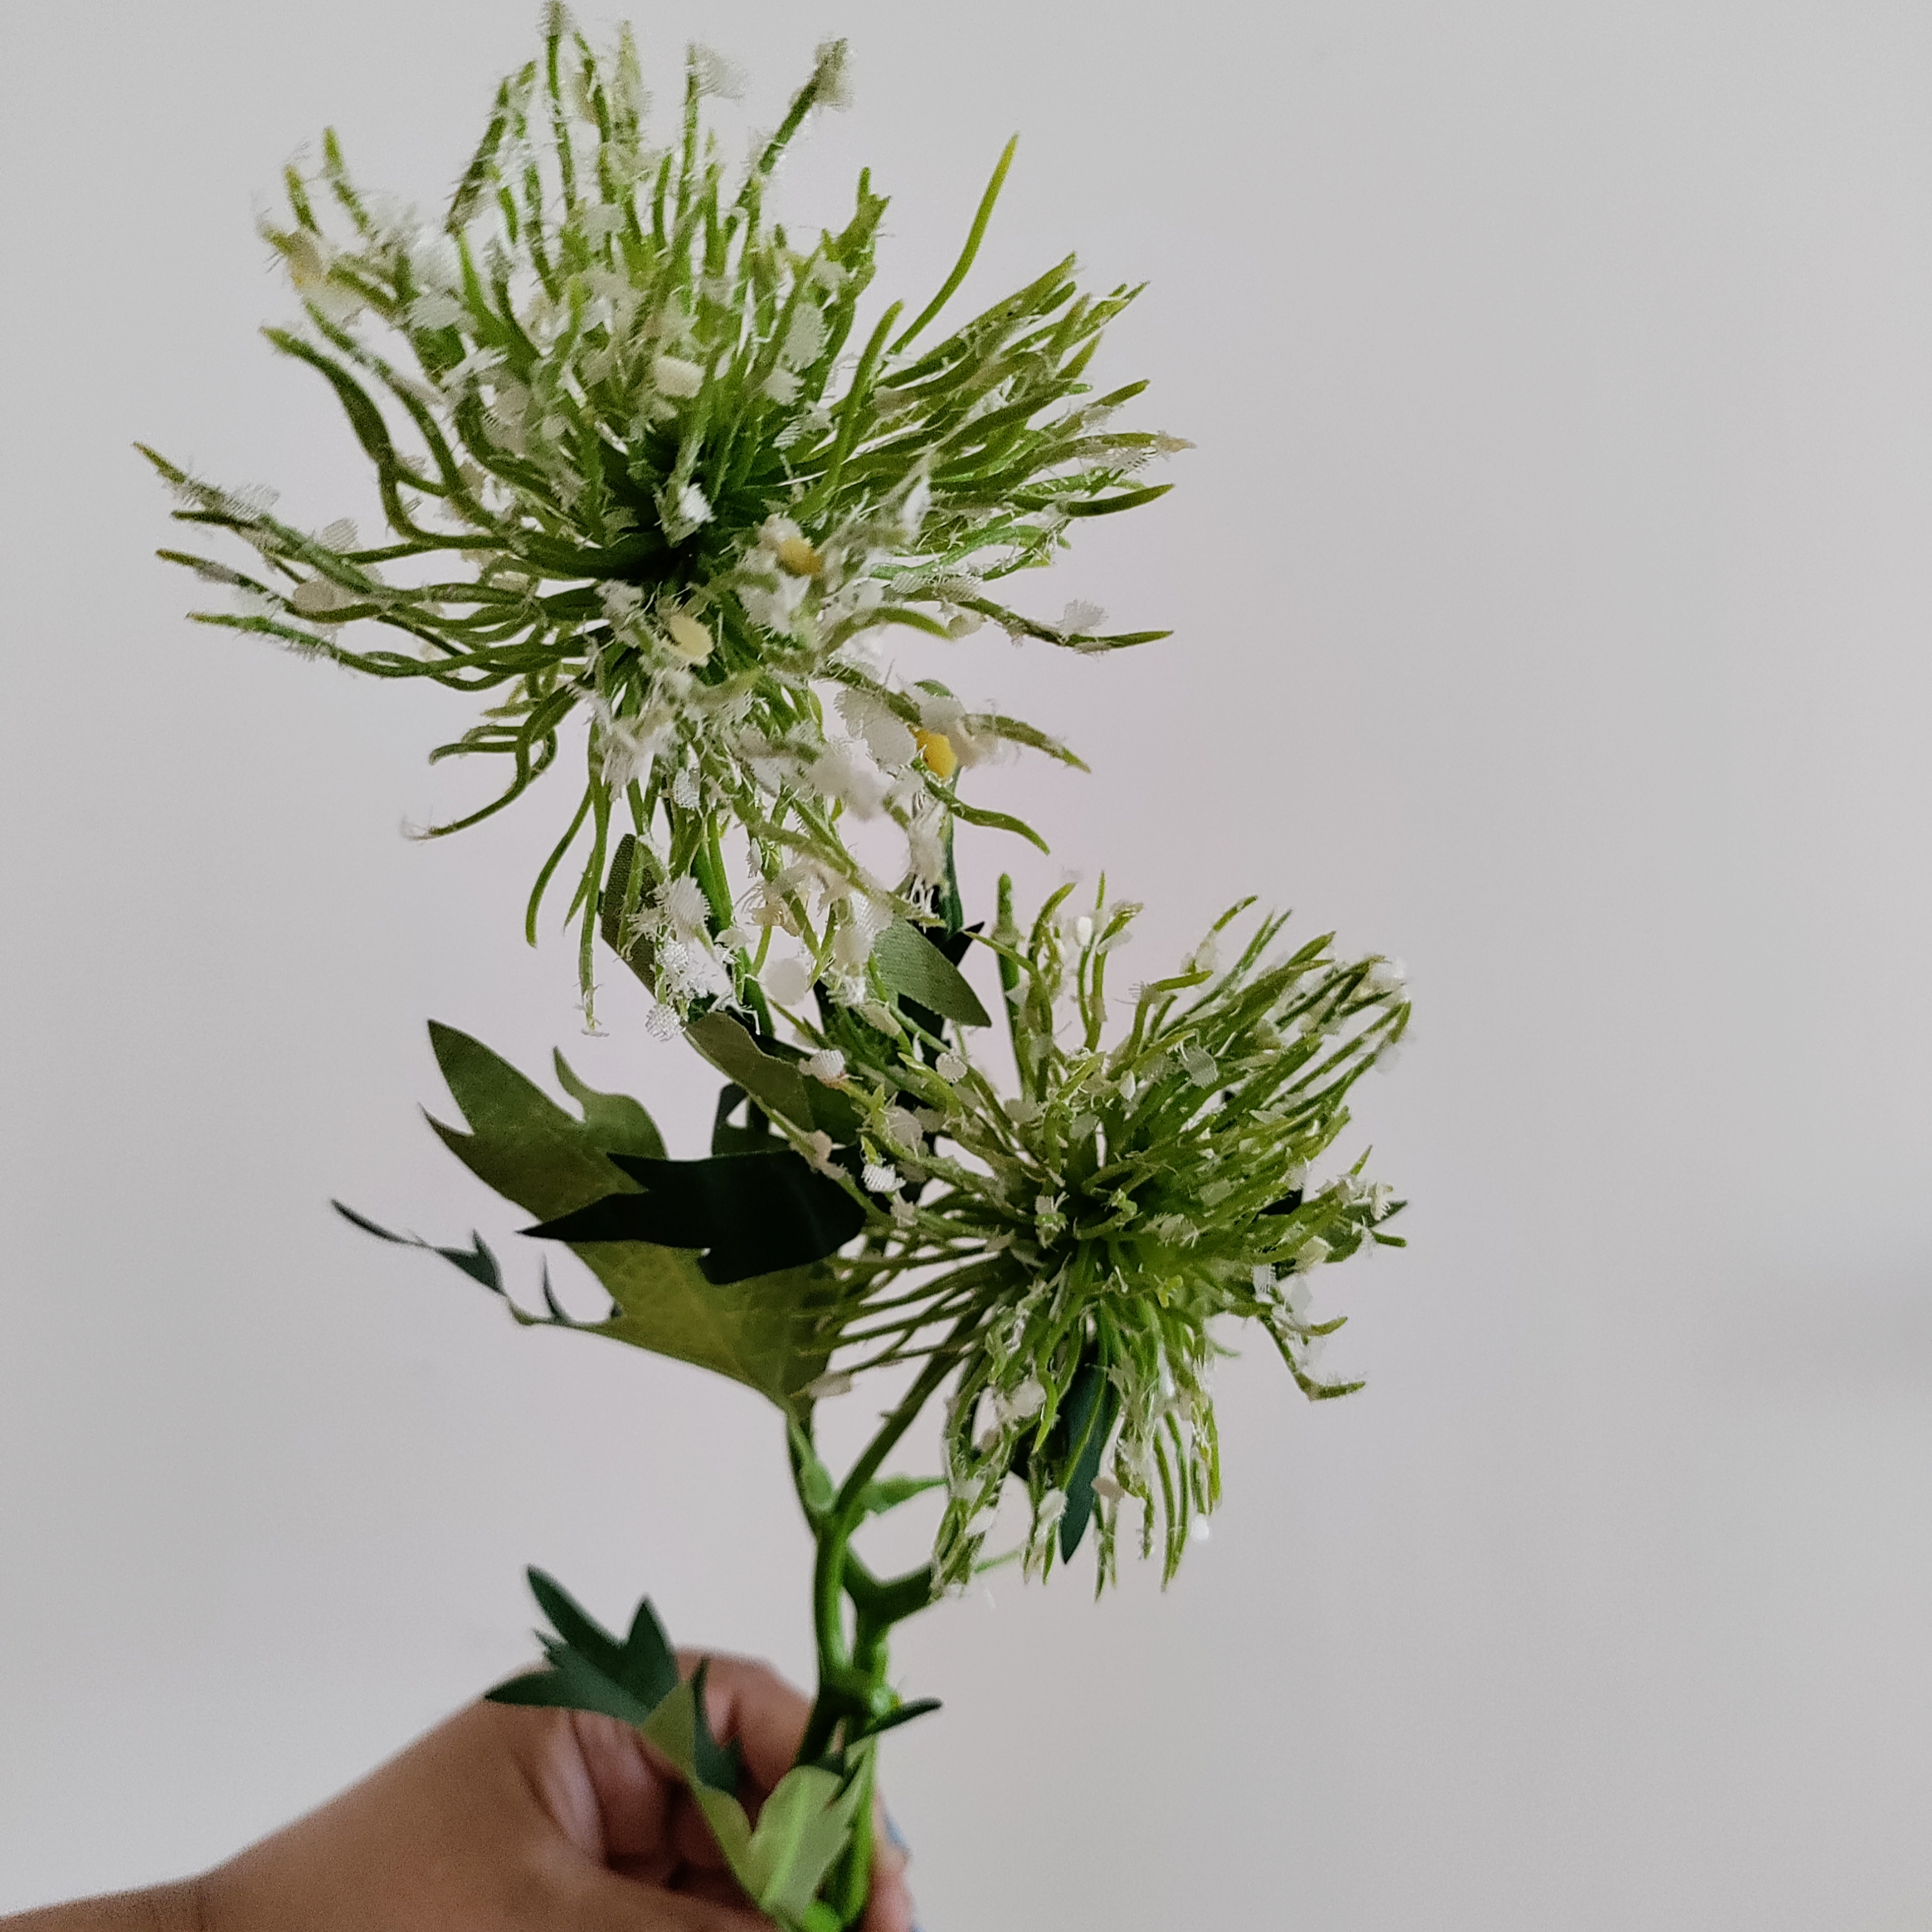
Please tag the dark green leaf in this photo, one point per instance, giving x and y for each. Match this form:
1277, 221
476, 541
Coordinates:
475, 1261
751, 1213
753, 1137
589, 1669
1092, 1405
720, 1766
920, 1707
1101, 506
912, 966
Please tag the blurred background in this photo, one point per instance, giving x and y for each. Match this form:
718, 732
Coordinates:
1552, 593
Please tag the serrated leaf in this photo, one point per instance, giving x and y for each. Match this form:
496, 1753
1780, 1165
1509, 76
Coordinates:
764, 1331
618, 1123
913, 967
476, 1261
589, 1669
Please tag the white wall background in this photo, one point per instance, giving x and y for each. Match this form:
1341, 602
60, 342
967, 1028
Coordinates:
1553, 598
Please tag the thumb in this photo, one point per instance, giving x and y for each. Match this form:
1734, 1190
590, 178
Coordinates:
610, 1903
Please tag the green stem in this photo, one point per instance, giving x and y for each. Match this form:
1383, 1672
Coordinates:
852, 1668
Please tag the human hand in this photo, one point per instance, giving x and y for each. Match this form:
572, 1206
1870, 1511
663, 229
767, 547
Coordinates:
512, 1820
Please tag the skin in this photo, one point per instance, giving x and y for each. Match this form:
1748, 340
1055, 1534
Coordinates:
506, 1819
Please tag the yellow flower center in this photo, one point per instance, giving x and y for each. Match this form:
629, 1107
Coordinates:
688, 637
798, 557
936, 749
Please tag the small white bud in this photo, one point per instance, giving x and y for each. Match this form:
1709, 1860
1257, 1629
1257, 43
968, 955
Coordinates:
829, 1386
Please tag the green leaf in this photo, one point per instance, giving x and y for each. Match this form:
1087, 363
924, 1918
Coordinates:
995, 821
1092, 1403
475, 1261
764, 1331
752, 1214
1101, 506
618, 1123
920, 1707
776, 1084
802, 1828
913, 966
639, 956
889, 1491
590, 1669
777, 1087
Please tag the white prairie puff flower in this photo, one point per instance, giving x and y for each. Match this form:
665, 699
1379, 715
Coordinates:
318, 599
950, 1066
1109, 1490
686, 790
833, 76
901, 1129
925, 850
1020, 1403
786, 980
686, 636
805, 337
828, 1064
672, 376
879, 1176
694, 507
686, 907
435, 308
817, 1148
843, 772
887, 736
1081, 617
692, 971
340, 535
716, 72
1201, 1067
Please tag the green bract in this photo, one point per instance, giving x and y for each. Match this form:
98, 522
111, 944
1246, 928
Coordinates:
686, 484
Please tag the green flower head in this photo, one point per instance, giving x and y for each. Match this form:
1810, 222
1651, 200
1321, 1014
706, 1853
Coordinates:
687, 479
1069, 1246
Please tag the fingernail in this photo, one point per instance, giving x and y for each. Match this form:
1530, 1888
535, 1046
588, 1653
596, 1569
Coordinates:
897, 1839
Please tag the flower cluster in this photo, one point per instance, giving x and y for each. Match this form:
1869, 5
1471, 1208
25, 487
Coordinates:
689, 488
1070, 1246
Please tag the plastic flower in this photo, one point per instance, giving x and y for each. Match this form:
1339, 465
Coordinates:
644, 462
1067, 1247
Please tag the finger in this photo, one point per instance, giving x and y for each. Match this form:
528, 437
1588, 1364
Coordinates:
889, 1908
719, 1887
689, 1836
750, 1701
633, 1796
609, 1903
